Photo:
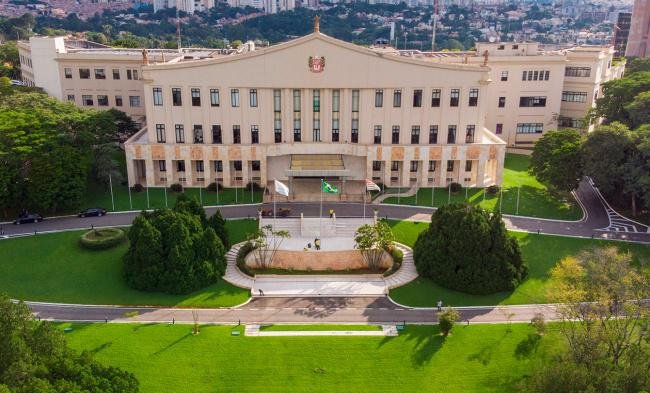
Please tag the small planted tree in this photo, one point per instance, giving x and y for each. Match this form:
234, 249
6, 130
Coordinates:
372, 240
266, 243
539, 323
446, 320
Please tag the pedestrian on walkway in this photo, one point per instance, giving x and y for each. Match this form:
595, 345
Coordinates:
261, 292
439, 305
317, 244
331, 213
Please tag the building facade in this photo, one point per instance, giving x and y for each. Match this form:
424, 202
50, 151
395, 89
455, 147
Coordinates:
638, 42
314, 108
621, 33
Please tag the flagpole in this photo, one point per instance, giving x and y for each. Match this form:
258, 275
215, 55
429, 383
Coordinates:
110, 182
273, 196
364, 202
320, 216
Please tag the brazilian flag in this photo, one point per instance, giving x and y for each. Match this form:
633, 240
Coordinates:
328, 188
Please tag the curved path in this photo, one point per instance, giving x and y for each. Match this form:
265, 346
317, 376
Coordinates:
595, 223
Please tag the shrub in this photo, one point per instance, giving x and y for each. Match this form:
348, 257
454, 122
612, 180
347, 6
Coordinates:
469, 250
254, 186
102, 239
493, 189
244, 250
397, 256
455, 187
137, 187
447, 319
539, 323
176, 187
214, 187
218, 223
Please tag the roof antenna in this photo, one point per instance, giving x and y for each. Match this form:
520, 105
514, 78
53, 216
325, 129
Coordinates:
178, 29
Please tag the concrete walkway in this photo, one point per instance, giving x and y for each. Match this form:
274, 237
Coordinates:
255, 331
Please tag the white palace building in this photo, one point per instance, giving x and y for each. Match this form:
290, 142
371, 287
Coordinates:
311, 108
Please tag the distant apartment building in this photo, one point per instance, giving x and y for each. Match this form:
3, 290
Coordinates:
638, 42
189, 6
621, 33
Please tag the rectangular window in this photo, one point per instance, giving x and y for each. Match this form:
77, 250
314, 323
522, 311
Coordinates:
377, 135
504, 76
394, 166
397, 98
160, 133
162, 166
71, 97
535, 75
256, 165
316, 115
354, 132
68, 73
415, 135
214, 97
499, 128
523, 75
502, 102
277, 115
433, 134
454, 98
134, 101
536, 101
379, 98
417, 98
218, 166
473, 97
574, 96
469, 134
199, 166
157, 96
237, 165
579, 72
217, 137
118, 101
84, 73
132, 74
116, 73
414, 166
198, 133
450, 165
376, 166
568, 122
435, 98
234, 98
395, 136
255, 135
100, 73
530, 128
253, 98
180, 166
297, 126
195, 94
177, 99
432, 166
87, 100
180, 133
336, 107
451, 134
547, 75
236, 135
468, 166
102, 100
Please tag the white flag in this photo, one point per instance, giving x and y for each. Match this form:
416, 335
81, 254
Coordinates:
281, 188
371, 186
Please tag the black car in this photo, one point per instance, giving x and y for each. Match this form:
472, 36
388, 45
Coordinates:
93, 212
31, 217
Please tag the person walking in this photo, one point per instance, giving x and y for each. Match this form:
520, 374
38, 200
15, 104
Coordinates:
261, 292
317, 244
439, 305
331, 213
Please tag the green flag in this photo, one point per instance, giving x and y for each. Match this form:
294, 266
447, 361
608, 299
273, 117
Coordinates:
328, 188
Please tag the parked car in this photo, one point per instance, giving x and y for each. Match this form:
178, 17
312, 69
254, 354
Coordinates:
281, 212
93, 212
26, 218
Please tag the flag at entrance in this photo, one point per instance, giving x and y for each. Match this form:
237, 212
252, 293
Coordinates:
328, 188
371, 186
281, 188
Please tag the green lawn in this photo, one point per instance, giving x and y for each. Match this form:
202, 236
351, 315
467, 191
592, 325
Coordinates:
534, 198
540, 252
101, 196
53, 267
294, 328
168, 358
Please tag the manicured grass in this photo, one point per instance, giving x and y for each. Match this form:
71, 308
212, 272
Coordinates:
534, 199
101, 196
540, 252
168, 358
55, 268
299, 328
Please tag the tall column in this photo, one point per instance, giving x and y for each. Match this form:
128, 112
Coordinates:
226, 173
443, 166
149, 172
501, 154
387, 172
480, 170
405, 173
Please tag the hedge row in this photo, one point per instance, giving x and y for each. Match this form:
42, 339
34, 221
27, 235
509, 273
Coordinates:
102, 239
245, 249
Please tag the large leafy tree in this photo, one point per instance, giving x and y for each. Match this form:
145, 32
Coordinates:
618, 94
468, 249
639, 109
34, 357
556, 159
218, 224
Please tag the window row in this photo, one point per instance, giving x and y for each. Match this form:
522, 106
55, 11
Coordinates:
574, 96
580, 72
199, 166
536, 75
470, 133
530, 128
100, 73
103, 100
436, 95
415, 165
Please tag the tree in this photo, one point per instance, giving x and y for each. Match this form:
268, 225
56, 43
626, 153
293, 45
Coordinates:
191, 206
638, 64
618, 93
556, 159
467, 249
446, 320
218, 224
373, 241
142, 269
639, 109
34, 357
266, 242
605, 324
539, 323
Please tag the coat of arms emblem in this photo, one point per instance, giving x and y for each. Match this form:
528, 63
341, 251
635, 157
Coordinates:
316, 63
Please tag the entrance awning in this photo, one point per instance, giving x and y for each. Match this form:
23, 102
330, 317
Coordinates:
317, 165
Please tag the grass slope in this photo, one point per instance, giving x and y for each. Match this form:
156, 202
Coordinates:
534, 199
56, 268
168, 358
540, 252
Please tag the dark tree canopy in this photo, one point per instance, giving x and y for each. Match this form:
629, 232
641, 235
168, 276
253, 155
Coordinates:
218, 223
34, 357
556, 159
468, 249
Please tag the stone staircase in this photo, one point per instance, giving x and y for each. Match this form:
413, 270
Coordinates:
233, 274
313, 226
406, 272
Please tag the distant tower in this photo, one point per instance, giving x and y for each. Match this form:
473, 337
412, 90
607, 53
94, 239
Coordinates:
638, 42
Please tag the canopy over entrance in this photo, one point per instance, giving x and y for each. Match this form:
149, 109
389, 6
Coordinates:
317, 165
